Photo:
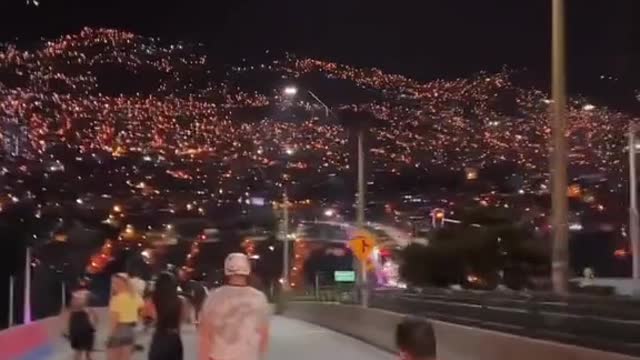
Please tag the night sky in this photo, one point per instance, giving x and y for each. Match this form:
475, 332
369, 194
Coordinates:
420, 38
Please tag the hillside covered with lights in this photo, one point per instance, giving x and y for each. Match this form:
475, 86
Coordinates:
108, 91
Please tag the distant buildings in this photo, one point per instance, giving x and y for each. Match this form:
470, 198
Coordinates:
15, 138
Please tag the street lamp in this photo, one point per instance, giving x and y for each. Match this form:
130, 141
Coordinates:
290, 91
360, 221
559, 205
285, 241
290, 151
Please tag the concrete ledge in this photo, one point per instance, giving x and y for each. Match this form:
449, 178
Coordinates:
30, 341
372, 326
622, 286
37, 340
457, 342
454, 342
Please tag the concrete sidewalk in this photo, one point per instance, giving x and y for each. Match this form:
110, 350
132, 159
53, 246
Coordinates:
290, 340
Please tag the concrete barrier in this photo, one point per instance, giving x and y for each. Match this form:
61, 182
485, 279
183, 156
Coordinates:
621, 286
454, 342
372, 326
36, 340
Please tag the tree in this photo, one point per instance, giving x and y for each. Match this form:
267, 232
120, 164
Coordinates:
489, 246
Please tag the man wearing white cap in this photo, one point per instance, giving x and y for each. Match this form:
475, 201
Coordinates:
234, 321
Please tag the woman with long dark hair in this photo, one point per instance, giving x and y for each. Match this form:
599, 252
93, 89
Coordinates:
169, 312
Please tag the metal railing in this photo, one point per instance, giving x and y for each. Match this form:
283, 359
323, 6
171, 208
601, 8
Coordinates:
337, 294
610, 324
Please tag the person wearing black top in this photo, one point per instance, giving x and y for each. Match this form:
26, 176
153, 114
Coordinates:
169, 309
81, 323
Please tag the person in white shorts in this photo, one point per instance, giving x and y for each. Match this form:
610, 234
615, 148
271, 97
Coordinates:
234, 320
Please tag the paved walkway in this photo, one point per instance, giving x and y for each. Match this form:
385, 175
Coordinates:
290, 340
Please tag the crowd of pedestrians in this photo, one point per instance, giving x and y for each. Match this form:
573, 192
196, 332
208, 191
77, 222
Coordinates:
232, 321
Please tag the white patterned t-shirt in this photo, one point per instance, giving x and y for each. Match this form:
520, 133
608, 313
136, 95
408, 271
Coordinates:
235, 316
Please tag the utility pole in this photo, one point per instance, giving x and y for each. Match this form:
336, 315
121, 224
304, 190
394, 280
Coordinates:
63, 296
360, 216
26, 316
11, 296
285, 242
559, 206
634, 231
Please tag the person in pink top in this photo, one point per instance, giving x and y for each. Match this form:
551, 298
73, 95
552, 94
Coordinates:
234, 320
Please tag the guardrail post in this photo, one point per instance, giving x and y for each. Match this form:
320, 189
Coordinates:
534, 315
63, 296
281, 301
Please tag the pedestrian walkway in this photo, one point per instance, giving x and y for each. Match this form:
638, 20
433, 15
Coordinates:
290, 340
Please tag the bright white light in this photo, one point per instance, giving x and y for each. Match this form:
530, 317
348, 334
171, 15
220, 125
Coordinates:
290, 151
329, 212
472, 278
271, 248
254, 257
291, 91
79, 201
575, 227
146, 254
588, 107
376, 254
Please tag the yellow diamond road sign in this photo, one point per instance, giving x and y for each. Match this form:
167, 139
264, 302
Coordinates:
362, 245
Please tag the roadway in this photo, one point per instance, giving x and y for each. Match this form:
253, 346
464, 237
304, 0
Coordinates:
290, 339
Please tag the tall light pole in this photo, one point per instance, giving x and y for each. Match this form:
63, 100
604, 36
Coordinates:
11, 296
634, 231
360, 216
291, 91
559, 206
285, 241
26, 315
